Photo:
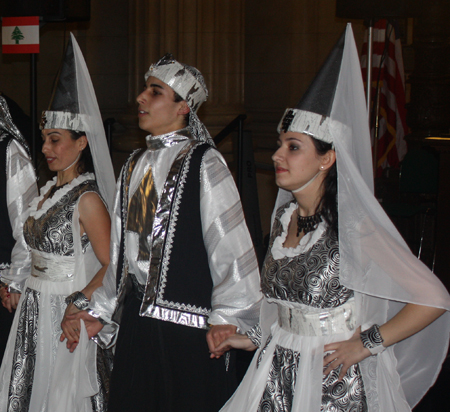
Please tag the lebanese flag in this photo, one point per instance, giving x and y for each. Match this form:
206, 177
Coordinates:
20, 34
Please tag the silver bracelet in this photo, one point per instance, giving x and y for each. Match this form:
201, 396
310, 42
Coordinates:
79, 300
372, 340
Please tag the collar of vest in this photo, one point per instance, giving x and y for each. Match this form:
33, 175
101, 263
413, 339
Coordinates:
167, 140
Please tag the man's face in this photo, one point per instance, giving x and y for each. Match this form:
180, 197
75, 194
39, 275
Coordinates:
158, 112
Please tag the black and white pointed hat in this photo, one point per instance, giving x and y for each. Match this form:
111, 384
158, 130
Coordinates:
64, 109
311, 115
74, 107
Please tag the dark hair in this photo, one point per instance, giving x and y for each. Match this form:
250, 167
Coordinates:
85, 162
329, 202
177, 98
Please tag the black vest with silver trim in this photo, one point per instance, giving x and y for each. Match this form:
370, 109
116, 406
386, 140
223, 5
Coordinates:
179, 284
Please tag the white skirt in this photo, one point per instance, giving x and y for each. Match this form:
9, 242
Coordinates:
38, 372
305, 355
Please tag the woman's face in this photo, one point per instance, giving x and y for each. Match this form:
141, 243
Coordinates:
296, 161
59, 149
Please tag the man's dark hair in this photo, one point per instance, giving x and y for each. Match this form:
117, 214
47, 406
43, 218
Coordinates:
177, 98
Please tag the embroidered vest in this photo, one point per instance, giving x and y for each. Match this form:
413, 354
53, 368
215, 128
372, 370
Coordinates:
179, 283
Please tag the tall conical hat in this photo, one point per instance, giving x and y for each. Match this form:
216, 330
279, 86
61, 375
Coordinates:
311, 115
74, 107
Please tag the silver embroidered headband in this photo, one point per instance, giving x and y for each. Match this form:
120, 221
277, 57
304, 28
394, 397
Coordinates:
185, 80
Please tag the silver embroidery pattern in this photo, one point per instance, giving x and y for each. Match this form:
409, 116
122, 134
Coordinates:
224, 224
189, 318
255, 335
311, 278
24, 358
246, 263
263, 351
52, 232
171, 230
346, 395
279, 390
215, 172
99, 401
154, 304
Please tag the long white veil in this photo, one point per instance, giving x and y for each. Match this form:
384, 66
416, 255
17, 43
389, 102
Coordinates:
375, 261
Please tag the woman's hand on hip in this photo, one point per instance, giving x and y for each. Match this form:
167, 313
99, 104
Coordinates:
345, 353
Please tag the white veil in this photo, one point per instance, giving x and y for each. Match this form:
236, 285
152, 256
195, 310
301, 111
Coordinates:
374, 259
104, 172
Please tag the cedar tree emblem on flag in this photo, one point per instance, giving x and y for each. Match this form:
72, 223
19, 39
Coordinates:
20, 34
17, 35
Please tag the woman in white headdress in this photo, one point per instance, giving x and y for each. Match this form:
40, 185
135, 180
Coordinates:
68, 232
351, 320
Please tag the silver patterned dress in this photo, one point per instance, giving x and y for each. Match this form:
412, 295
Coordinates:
313, 309
34, 340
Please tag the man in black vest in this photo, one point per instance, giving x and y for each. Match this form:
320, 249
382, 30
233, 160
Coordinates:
183, 273
17, 189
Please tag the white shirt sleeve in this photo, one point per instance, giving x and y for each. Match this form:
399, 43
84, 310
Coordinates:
103, 300
21, 189
236, 295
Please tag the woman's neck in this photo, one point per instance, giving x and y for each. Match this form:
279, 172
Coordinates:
308, 200
66, 176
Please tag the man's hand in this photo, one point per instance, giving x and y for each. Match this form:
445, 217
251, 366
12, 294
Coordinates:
70, 327
216, 335
236, 341
9, 300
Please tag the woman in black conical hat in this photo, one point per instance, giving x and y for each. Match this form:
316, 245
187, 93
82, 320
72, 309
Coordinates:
68, 233
351, 320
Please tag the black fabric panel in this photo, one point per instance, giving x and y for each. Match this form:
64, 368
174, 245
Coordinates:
189, 278
6, 319
162, 366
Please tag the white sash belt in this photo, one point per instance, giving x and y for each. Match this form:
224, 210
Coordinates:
307, 321
53, 268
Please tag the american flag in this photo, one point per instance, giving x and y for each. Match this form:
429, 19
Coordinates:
388, 78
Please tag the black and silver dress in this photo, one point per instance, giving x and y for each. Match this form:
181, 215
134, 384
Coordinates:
38, 372
312, 309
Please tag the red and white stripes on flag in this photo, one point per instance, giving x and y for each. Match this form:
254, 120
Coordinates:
20, 34
388, 75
